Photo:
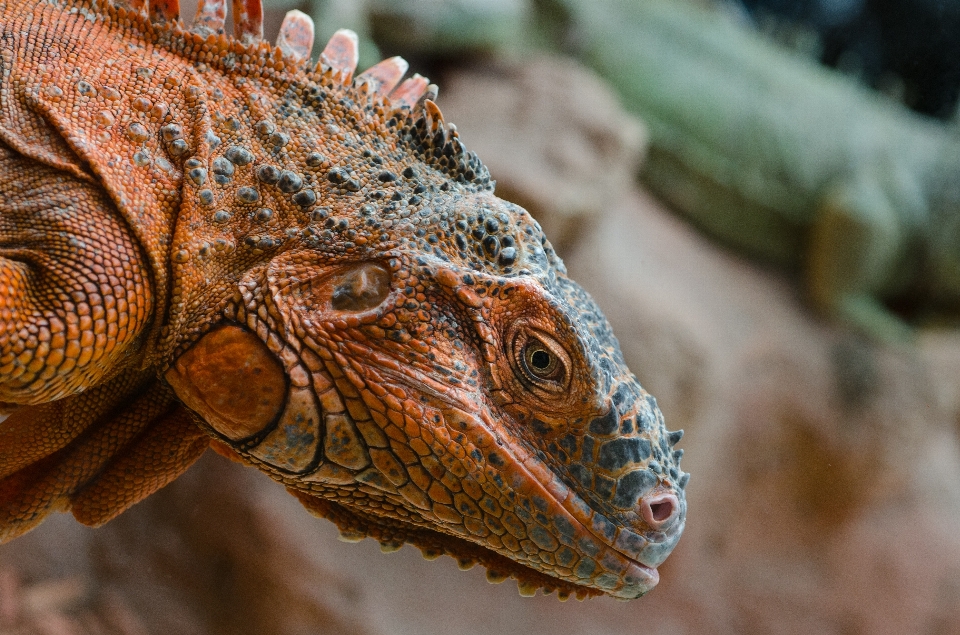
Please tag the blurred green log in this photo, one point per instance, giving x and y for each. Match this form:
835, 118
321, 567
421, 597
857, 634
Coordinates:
784, 159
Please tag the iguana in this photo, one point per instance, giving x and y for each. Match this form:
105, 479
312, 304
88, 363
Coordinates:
785, 160
207, 240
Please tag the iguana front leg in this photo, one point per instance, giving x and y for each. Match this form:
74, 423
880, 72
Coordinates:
74, 297
856, 244
74, 288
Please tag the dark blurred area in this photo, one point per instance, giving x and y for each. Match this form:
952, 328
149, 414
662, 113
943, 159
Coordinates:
911, 47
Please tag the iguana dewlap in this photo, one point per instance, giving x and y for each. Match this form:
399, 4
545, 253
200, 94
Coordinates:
206, 237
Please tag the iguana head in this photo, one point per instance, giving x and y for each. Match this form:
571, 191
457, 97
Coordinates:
406, 353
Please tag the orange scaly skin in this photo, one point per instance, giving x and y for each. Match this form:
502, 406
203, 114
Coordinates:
206, 238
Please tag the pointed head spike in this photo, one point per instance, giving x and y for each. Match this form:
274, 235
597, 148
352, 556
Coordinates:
674, 437
211, 17
295, 39
434, 116
342, 53
248, 21
684, 479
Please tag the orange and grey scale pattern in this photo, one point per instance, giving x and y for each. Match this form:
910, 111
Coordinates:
317, 268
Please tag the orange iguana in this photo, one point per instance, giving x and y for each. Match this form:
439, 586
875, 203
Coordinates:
206, 240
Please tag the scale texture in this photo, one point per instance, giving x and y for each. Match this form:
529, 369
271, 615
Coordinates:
208, 240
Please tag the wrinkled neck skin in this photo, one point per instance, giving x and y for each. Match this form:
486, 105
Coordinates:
405, 352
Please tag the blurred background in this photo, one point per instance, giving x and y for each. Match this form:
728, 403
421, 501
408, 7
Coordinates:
680, 155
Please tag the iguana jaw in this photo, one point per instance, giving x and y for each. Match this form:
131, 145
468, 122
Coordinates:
556, 531
355, 524
601, 564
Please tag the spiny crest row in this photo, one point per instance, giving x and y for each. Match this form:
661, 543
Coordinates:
294, 42
427, 134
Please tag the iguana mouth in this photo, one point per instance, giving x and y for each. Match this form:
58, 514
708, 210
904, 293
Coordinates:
355, 524
569, 507
597, 564
625, 577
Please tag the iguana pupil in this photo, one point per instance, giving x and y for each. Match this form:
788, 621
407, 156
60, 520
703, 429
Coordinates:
541, 360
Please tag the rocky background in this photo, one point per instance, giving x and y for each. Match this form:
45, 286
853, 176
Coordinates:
825, 488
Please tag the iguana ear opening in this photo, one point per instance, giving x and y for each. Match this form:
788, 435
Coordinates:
331, 291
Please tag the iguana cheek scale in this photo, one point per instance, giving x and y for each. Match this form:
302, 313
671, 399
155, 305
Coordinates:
316, 267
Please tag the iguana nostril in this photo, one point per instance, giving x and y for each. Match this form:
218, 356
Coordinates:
659, 510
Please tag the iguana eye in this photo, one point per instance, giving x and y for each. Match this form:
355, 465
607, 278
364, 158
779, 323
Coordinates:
541, 360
